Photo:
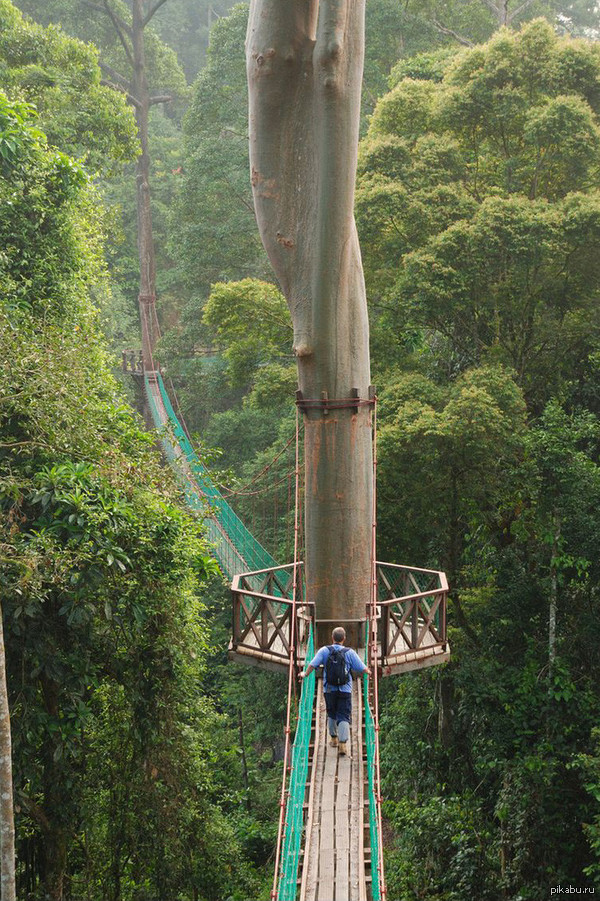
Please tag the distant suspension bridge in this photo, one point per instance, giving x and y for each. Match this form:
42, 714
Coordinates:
329, 845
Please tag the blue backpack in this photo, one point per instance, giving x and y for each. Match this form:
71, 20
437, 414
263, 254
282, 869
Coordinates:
337, 671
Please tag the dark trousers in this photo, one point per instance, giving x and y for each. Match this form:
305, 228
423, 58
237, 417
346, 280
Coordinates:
339, 710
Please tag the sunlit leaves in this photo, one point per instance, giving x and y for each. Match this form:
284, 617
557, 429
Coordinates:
61, 76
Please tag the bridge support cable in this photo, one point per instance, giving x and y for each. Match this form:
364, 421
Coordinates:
291, 805
378, 890
235, 547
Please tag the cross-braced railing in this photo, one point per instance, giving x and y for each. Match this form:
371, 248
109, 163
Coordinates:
412, 605
263, 604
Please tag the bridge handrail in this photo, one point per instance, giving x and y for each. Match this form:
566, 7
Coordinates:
206, 497
416, 569
421, 620
374, 801
294, 815
409, 598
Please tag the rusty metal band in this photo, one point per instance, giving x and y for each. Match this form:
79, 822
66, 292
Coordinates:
314, 404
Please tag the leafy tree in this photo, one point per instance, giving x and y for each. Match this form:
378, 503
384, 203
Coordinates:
252, 323
478, 209
101, 575
61, 76
447, 453
136, 63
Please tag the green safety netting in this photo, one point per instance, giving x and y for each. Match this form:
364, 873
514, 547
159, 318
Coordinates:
294, 813
236, 549
373, 817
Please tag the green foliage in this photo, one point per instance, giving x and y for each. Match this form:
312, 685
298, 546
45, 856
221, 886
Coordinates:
95, 26
185, 26
61, 76
477, 204
252, 325
466, 437
116, 746
48, 253
214, 236
457, 863
589, 766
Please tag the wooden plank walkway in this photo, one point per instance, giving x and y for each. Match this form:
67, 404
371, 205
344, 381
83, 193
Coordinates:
333, 868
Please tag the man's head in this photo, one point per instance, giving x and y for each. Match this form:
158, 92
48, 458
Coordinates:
339, 635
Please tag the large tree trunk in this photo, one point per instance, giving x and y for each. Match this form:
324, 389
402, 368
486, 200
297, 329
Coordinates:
305, 60
7, 817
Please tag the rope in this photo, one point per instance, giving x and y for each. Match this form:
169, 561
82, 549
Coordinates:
378, 883
233, 492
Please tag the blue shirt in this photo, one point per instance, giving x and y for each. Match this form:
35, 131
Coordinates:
353, 662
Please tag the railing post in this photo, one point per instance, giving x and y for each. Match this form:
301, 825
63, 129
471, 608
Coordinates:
237, 629
443, 616
414, 631
264, 625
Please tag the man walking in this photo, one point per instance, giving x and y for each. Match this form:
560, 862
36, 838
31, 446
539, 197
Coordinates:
338, 662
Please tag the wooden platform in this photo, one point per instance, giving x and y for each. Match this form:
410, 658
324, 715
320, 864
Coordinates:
333, 860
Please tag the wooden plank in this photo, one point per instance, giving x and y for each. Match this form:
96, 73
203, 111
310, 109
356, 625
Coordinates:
354, 806
326, 848
440, 655
310, 878
254, 657
326, 877
333, 867
342, 826
251, 617
343, 812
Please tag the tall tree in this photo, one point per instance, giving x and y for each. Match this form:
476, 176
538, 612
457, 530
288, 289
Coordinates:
305, 62
477, 206
131, 34
8, 887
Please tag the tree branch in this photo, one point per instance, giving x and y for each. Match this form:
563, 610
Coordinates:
117, 87
120, 79
518, 10
160, 98
101, 8
122, 29
36, 812
457, 37
493, 7
154, 10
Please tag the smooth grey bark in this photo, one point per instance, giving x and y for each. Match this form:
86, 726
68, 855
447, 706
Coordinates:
304, 63
7, 816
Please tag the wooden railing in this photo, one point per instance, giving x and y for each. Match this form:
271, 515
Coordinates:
412, 604
262, 615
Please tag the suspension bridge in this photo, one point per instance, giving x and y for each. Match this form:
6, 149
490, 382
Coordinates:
329, 845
